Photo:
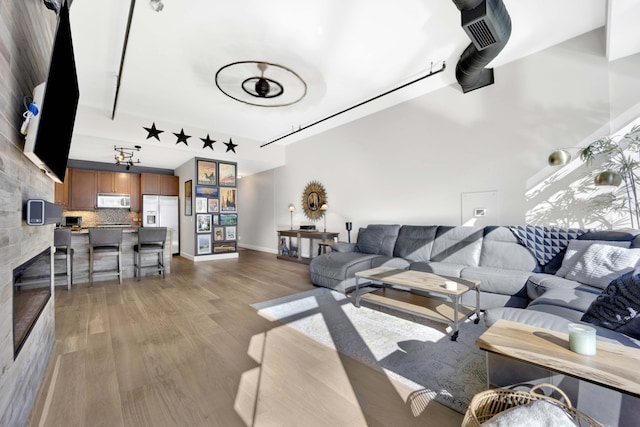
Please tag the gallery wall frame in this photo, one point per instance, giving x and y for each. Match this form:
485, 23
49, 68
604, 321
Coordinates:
203, 223
201, 204
207, 172
206, 191
228, 199
227, 173
187, 198
204, 244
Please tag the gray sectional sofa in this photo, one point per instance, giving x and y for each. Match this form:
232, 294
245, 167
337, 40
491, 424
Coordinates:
517, 286
514, 284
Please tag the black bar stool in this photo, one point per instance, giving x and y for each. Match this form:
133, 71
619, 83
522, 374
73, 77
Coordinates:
62, 242
105, 241
150, 241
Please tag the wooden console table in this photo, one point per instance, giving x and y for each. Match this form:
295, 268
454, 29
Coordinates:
299, 235
613, 366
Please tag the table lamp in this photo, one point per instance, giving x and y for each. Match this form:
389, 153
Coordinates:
324, 208
291, 209
349, 226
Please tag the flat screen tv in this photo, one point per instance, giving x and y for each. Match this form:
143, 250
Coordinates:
49, 136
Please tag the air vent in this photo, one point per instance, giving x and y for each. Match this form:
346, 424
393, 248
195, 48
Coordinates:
480, 25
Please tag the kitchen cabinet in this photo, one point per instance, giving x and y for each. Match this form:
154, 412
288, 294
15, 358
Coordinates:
164, 185
113, 182
83, 189
62, 191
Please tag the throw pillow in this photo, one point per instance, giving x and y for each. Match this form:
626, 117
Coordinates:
618, 306
576, 247
377, 239
598, 265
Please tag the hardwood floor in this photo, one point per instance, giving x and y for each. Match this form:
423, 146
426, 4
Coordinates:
190, 351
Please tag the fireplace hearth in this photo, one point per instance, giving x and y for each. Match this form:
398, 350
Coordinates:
31, 291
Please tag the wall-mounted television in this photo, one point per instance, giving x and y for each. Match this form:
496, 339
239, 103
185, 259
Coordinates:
49, 136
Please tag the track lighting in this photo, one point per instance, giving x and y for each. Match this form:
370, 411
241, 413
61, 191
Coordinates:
125, 155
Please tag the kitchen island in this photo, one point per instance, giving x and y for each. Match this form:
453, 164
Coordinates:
80, 245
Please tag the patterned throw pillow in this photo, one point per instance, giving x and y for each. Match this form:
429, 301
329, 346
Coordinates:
618, 306
598, 265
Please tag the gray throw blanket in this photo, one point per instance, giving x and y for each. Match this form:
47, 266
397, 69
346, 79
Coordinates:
618, 306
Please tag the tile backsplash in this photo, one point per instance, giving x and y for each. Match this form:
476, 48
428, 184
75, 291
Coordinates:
106, 216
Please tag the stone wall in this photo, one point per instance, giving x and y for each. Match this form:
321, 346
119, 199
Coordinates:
26, 36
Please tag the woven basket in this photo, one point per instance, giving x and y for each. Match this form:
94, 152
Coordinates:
486, 404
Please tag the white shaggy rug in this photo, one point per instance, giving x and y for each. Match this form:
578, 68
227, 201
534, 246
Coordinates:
416, 352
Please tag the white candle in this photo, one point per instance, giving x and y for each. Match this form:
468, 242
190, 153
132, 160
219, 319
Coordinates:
582, 339
450, 285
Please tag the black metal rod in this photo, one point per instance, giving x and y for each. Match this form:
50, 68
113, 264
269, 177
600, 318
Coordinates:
124, 53
431, 73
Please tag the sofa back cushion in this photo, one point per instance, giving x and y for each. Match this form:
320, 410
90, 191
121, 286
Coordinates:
457, 245
501, 249
377, 239
415, 242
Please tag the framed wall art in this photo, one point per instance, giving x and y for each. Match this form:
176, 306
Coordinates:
218, 233
228, 219
203, 191
213, 205
227, 174
216, 219
204, 244
203, 223
201, 205
207, 173
224, 247
228, 197
230, 233
187, 198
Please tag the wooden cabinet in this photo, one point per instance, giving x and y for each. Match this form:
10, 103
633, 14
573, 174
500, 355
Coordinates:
62, 191
134, 185
164, 185
83, 189
113, 182
169, 185
149, 183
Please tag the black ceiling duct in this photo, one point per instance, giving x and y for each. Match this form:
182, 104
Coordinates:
488, 25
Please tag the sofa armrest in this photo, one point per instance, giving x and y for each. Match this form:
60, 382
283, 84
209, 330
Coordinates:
343, 247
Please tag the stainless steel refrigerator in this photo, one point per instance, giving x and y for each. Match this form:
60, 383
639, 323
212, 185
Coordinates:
162, 211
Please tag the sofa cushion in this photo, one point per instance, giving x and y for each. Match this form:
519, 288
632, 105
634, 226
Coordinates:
577, 247
343, 247
440, 268
415, 242
598, 265
377, 239
499, 281
458, 245
539, 283
340, 265
576, 299
618, 306
501, 249
393, 262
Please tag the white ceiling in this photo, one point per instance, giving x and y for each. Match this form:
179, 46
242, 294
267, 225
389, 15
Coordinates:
346, 52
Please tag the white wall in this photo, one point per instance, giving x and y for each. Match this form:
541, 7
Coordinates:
410, 163
187, 172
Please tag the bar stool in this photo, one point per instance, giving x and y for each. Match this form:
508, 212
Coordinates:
62, 242
105, 241
150, 241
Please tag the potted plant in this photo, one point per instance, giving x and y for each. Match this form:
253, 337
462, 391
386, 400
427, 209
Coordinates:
621, 158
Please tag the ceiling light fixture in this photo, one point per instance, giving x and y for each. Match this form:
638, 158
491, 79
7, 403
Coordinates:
125, 156
156, 5
259, 83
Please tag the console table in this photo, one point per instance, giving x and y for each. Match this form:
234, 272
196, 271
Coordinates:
605, 386
296, 255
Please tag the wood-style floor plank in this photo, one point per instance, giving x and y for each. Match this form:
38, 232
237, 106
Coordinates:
190, 350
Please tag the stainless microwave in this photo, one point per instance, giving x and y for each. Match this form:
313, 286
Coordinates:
108, 200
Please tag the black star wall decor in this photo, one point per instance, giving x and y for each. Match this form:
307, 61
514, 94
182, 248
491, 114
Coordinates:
182, 137
230, 146
153, 132
207, 142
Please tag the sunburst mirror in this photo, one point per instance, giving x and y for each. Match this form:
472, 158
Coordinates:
313, 197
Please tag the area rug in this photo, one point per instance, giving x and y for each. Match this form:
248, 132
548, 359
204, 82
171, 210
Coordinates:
416, 352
